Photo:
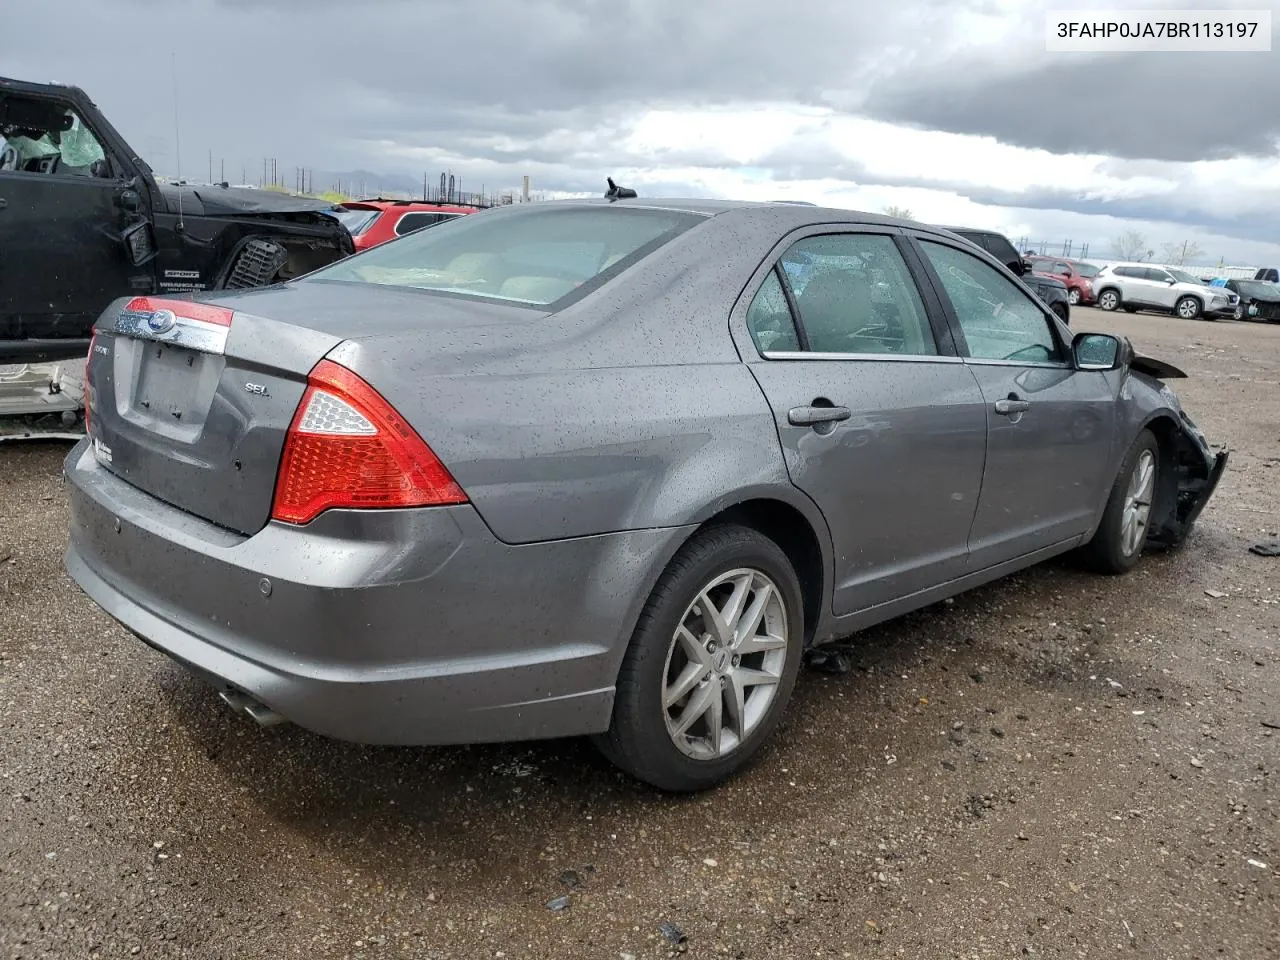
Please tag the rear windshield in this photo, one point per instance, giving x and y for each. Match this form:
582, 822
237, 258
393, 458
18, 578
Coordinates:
532, 257
356, 221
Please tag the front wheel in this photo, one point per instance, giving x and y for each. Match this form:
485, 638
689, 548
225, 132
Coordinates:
1188, 308
1073, 296
1117, 544
711, 664
1108, 300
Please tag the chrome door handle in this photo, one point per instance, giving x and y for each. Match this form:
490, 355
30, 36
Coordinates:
812, 416
1007, 408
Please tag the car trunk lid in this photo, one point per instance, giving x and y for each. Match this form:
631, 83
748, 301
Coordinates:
191, 402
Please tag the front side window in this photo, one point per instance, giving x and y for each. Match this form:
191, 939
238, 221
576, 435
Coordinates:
855, 295
44, 137
1159, 276
999, 321
530, 256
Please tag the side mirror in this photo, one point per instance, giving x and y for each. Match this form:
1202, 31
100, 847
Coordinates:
140, 243
1170, 281
1024, 267
1065, 273
1100, 351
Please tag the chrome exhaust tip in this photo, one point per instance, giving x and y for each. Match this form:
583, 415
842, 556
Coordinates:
261, 714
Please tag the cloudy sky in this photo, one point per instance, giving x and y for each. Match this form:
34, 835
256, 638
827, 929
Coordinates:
953, 110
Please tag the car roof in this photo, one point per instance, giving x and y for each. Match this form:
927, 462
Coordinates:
797, 213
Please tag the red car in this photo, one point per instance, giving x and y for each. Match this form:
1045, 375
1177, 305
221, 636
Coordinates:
1073, 273
371, 222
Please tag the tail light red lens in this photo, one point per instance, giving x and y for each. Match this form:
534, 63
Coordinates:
347, 448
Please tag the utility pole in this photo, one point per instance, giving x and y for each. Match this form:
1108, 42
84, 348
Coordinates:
211, 164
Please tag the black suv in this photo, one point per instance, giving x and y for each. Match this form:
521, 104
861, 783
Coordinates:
83, 220
1052, 292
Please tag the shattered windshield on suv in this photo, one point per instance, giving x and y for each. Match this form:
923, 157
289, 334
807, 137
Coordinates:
534, 258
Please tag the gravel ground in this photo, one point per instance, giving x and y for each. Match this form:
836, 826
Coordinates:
1056, 765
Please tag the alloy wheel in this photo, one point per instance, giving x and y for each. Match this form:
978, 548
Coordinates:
724, 664
1137, 504
1073, 296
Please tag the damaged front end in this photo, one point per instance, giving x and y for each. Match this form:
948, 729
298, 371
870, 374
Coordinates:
1197, 468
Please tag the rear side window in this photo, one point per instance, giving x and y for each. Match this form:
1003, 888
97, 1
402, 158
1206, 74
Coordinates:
999, 321
415, 220
855, 295
535, 257
769, 318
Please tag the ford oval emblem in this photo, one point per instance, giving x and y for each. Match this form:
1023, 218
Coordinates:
162, 321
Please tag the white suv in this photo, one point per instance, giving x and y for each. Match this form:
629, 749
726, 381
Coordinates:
1137, 286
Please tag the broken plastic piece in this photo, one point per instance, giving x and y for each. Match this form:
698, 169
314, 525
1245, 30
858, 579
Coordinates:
1268, 548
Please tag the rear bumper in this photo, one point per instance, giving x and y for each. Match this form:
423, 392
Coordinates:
392, 627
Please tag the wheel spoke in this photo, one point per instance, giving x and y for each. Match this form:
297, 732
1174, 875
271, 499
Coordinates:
760, 643
688, 679
698, 705
714, 618
754, 678
715, 718
732, 610
750, 621
736, 695
693, 650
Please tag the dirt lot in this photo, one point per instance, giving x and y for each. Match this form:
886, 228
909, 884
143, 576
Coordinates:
1056, 765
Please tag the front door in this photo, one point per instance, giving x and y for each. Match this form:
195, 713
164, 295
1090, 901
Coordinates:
881, 425
62, 255
1050, 428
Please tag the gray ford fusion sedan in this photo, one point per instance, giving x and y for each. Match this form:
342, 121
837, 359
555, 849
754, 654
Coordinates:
601, 467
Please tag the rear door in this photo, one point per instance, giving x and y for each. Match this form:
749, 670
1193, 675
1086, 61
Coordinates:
881, 424
1050, 428
66, 203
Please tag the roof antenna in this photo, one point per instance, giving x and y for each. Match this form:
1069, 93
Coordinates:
177, 143
616, 192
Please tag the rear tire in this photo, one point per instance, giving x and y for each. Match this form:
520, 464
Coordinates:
1117, 543
681, 658
1108, 299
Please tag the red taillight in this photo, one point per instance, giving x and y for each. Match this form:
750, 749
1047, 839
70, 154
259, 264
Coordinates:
348, 448
219, 316
84, 396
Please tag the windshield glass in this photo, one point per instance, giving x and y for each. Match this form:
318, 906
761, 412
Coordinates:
1085, 269
356, 221
1183, 277
524, 256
